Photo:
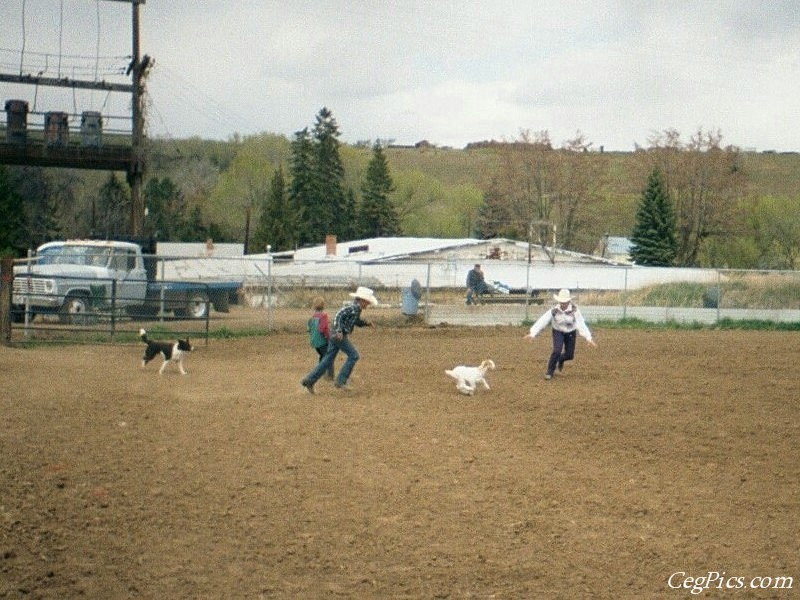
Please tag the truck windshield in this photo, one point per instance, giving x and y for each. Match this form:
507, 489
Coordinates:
48, 255
78, 255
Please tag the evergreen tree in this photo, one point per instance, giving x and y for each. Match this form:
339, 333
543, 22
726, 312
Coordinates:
654, 242
194, 228
495, 216
61, 200
12, 224
111, 211
276, 226
165, 209
302, 190
317, 191
377, 217
349, 229
39, 197
331, 201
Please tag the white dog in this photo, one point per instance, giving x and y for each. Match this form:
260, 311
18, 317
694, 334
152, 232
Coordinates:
468, 378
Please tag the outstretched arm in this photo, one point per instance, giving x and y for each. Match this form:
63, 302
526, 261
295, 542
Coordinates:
540, 324
583, 329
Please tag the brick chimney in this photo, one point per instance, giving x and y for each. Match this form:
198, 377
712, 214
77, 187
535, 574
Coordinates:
330, 245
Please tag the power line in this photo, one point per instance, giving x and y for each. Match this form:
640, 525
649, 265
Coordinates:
60, 35
186, 93
22, 53
74, 56
97, 44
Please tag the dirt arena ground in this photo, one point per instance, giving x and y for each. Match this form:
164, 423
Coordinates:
657, 457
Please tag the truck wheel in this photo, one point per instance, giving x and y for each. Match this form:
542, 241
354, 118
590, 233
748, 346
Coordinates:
75, 310
196, 307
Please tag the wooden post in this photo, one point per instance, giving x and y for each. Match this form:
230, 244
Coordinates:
136, 169
6, 284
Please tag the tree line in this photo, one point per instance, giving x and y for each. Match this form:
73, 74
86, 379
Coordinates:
693, 203
685, 203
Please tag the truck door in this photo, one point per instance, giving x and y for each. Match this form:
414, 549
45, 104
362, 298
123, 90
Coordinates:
131, 277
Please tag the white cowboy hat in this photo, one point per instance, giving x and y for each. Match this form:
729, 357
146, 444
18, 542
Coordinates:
562, 296
364, 293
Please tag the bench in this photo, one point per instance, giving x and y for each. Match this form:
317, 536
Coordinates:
510, 298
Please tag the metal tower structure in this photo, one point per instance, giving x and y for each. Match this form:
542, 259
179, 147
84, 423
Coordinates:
51, 146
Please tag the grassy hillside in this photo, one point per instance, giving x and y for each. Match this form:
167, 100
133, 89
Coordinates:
769, 174
776, 174
773, 174
437, 190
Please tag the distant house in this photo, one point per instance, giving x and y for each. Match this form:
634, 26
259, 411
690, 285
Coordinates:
437, 262
206, 249
374, 250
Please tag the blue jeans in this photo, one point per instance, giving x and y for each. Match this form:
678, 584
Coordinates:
322, 351
323, 365
563, 349
473, 296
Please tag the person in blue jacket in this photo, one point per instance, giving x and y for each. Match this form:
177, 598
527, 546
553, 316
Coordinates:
476, 285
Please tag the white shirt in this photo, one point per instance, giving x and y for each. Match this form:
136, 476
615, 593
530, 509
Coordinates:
565, 321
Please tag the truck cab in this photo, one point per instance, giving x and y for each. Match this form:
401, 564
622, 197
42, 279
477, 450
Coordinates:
71, 277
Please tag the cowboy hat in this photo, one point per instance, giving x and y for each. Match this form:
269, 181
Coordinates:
562, 296
364, 293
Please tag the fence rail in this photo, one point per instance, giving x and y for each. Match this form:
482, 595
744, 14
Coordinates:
434, 292
109, 306
607, 292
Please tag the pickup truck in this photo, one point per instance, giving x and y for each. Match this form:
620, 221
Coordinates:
76, 277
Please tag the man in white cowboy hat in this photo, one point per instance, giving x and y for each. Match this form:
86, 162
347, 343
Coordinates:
567, 321
347, 319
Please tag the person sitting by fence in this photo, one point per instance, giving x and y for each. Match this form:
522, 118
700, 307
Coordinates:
476, 285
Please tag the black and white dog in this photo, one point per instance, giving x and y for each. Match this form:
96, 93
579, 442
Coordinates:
169, 351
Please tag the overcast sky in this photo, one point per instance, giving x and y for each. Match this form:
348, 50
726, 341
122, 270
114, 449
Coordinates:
450, 72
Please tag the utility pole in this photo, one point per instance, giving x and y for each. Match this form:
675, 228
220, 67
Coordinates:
128, 156
136, 168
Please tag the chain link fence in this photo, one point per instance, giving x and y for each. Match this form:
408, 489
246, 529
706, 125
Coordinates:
270, 291
434, 291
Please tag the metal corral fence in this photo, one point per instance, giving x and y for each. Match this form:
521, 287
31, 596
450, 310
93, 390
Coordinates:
108, 309
50, 296
433, 292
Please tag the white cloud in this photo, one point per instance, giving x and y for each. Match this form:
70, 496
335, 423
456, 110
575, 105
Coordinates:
450, 72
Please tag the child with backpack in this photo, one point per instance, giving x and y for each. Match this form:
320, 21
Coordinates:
319, 331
